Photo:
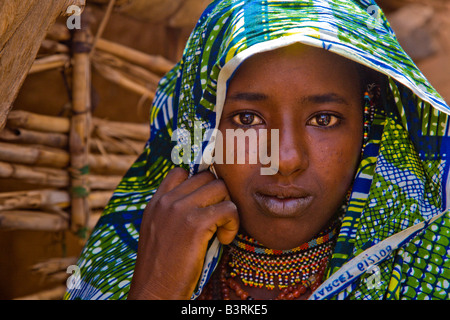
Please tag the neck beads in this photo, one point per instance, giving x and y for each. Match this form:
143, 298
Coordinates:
293, 272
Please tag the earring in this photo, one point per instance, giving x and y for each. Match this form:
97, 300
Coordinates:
213, 170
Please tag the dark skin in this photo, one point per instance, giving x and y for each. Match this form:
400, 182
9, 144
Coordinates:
314, 98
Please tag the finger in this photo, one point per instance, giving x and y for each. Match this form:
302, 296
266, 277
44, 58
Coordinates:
190, 185
224, 221
174, 178
208, 194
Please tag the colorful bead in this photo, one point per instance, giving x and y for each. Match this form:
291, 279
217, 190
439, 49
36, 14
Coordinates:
258, 266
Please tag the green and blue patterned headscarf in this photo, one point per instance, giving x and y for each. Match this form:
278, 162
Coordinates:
397, 223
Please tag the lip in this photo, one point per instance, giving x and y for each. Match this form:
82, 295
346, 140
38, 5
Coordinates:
283, 202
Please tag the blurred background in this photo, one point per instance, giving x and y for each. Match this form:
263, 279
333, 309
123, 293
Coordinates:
136, 42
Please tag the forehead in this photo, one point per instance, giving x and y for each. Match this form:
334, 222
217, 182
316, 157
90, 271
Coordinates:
298, 59
296, 71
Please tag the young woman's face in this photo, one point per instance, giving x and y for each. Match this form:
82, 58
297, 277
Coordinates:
313, 98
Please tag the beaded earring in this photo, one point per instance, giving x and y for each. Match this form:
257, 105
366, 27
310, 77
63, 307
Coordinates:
371, 96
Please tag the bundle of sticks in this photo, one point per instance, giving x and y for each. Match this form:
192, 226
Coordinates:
34, 149
129, 68
75, 162
70, 166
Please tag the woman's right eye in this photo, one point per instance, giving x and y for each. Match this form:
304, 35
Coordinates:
247, 119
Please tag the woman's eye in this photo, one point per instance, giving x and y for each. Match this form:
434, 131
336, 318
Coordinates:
247, 119
324, 120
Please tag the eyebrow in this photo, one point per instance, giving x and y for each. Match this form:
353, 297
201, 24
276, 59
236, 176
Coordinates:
325, 98
311, 99
248, 96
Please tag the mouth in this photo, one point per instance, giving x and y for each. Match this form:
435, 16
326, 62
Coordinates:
283, 202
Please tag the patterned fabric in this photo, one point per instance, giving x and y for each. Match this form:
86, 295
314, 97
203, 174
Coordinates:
400, 182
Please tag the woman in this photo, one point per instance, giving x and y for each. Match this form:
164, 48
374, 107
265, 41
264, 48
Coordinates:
357, 199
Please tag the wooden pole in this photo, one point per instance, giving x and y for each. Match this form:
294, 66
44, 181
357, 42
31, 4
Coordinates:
35, 175
34, 155
52, 177
50, 62
32, 220
115, 146
156, 64
39, 221
57, 158
41, 198
38, 122
121, 130
80, 129
110, 163
49, 139
34, 199
122, 80
101, 127
103, 24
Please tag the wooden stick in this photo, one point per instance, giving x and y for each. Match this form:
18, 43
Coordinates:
156, 64
50, 62
20, 135
80, 130
57, 158
49, 46
122, 80
46, 198
32, 220
120, 130
53, 265
34, 155
103, 24
54, 177
115, 146
110, 163
34, 199
136, 73
99, 182
101, 127
35, 175
38, 122
39, 221
56, 293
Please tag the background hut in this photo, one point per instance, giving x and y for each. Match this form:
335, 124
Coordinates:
76, 83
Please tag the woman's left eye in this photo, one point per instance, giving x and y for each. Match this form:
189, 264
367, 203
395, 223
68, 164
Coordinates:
324, 120
247, 119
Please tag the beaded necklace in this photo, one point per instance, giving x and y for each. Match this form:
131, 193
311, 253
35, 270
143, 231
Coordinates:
292, 271
258, 266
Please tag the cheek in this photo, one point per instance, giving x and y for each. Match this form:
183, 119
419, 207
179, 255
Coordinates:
338, 161
236, 178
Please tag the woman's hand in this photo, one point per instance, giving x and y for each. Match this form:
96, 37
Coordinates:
183, 215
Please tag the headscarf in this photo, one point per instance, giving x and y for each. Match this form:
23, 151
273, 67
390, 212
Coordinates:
401, 181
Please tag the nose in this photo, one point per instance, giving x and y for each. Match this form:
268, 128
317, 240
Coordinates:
293, 151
